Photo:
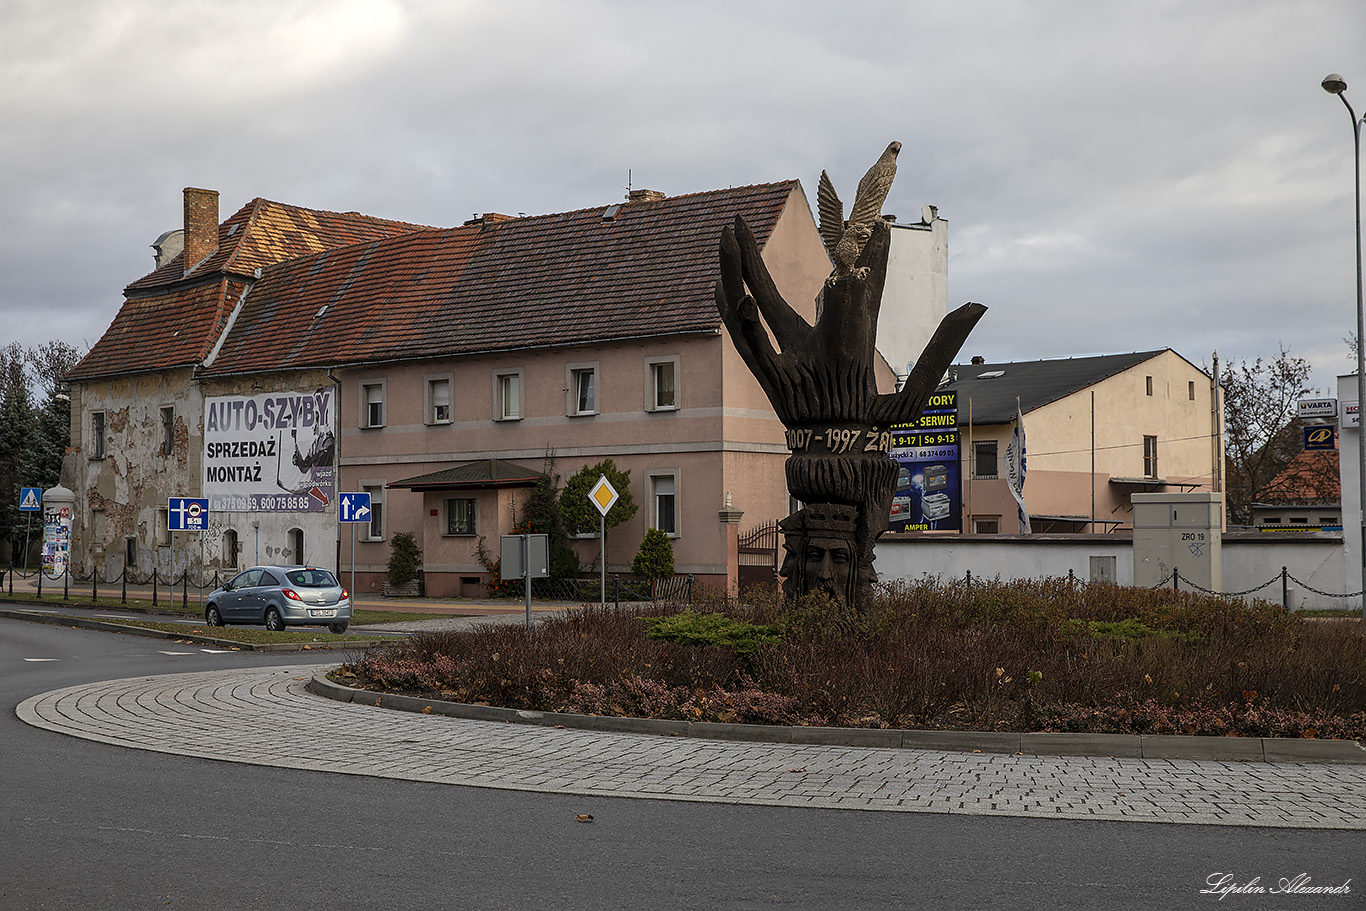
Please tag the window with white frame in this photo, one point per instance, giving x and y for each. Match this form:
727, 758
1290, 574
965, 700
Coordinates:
661, 379
664, 503
439, 400
168, 430
507, 395
986, 525
372, 403
583, 389
460, 516
375, 530
97, 434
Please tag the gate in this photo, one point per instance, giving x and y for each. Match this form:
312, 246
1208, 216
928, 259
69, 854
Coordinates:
758, 554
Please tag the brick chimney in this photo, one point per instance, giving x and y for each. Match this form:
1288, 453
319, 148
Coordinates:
201, 226
646, 196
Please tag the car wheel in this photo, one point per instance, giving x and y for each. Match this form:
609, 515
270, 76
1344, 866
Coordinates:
212, 617
337, 628
274, 622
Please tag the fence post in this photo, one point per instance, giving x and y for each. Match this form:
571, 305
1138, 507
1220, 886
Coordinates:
1176, 579
1285, 588
969, 578
616, 589
154, 586
66, 580
40, 580
11, 577
185, 589
124, 577
94, 584
690, 588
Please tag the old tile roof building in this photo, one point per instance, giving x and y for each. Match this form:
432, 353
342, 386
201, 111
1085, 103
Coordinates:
288, 355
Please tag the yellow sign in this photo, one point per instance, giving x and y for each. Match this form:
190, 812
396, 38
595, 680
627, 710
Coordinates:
603, 495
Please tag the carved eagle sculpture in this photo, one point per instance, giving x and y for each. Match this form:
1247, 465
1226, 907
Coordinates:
845, 241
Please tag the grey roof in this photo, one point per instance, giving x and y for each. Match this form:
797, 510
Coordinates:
481, 475
993, 388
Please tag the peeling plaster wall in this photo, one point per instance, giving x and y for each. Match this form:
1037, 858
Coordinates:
124, 494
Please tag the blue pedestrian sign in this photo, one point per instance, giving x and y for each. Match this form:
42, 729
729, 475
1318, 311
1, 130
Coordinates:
187, 514
30, 499
354, 507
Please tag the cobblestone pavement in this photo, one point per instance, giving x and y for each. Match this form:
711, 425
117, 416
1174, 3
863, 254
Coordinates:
266, 717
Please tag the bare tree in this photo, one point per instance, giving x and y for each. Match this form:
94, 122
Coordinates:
1262, 429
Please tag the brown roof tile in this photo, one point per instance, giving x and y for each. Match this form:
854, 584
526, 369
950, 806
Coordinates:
162, 331
1310, 478
169, 320
564, 279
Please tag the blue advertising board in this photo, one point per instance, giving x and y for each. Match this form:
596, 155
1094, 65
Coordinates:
1320, 437
929, 489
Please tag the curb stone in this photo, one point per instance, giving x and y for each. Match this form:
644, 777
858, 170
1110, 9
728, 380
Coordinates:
1132, 746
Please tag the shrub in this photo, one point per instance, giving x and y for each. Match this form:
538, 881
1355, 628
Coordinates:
692, 628
405, 558
655, 559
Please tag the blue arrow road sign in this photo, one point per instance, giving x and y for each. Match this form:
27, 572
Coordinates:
355, 507
30, 499
186, 514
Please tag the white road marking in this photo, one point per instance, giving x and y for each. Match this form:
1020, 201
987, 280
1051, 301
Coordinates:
42, 659
116, 616
164, 652
217, 651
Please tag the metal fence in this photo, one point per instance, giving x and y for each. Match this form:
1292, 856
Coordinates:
162, 589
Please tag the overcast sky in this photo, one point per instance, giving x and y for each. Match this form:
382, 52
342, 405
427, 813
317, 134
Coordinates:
1116, 176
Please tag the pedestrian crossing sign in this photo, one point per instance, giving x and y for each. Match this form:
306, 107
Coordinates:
30, 499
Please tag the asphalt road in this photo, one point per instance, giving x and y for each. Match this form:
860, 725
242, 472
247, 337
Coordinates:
90, 826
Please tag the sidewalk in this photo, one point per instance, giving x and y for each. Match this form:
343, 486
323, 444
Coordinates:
268, 717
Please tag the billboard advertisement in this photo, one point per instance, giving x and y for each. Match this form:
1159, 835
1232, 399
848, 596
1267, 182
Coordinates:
929, 490
270, 452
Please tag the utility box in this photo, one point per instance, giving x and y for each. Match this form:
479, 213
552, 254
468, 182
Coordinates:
1179, 532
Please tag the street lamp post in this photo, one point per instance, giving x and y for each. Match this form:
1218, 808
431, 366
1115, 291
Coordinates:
1336, 85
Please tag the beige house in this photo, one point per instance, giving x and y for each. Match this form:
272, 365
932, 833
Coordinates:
1097, 430
305, 354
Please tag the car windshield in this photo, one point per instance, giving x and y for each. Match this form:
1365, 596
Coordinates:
311, 578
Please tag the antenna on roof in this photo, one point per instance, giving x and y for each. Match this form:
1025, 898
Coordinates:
628, 183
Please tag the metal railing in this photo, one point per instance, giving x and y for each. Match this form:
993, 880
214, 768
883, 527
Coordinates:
161, 588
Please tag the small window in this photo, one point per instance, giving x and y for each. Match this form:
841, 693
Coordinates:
439, 401
662, 384
664, 494
1299, 520
375, 530
460, 516
986, 525
230, 548
97, 440
1150, 384
163, 538
508, 396
984, 463
372, 404
130, 553
296, 545
1190, 390
167, 431
1271, 520
583, 390
1149, 457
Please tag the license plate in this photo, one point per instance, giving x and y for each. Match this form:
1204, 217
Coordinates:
322, 613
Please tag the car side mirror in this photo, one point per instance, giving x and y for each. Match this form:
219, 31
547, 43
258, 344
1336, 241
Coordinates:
227, 586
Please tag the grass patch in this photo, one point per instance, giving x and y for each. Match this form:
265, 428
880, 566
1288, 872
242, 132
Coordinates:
1041, 655
245, 634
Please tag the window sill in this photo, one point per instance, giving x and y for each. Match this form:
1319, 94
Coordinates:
459, 534
582, 414
662, 408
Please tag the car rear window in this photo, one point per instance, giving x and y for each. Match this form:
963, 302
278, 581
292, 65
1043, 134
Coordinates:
312, 578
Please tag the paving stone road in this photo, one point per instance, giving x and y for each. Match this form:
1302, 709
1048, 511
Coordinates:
267, 717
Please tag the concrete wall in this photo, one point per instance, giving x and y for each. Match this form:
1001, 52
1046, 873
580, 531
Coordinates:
1250, 559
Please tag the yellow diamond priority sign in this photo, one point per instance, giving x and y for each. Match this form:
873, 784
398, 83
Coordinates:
603, 495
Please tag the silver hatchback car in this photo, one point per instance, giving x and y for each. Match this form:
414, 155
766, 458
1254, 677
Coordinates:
281, 596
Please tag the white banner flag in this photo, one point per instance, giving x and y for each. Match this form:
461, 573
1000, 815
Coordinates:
1015, 468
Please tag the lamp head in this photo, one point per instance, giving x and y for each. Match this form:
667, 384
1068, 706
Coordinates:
1334, 84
